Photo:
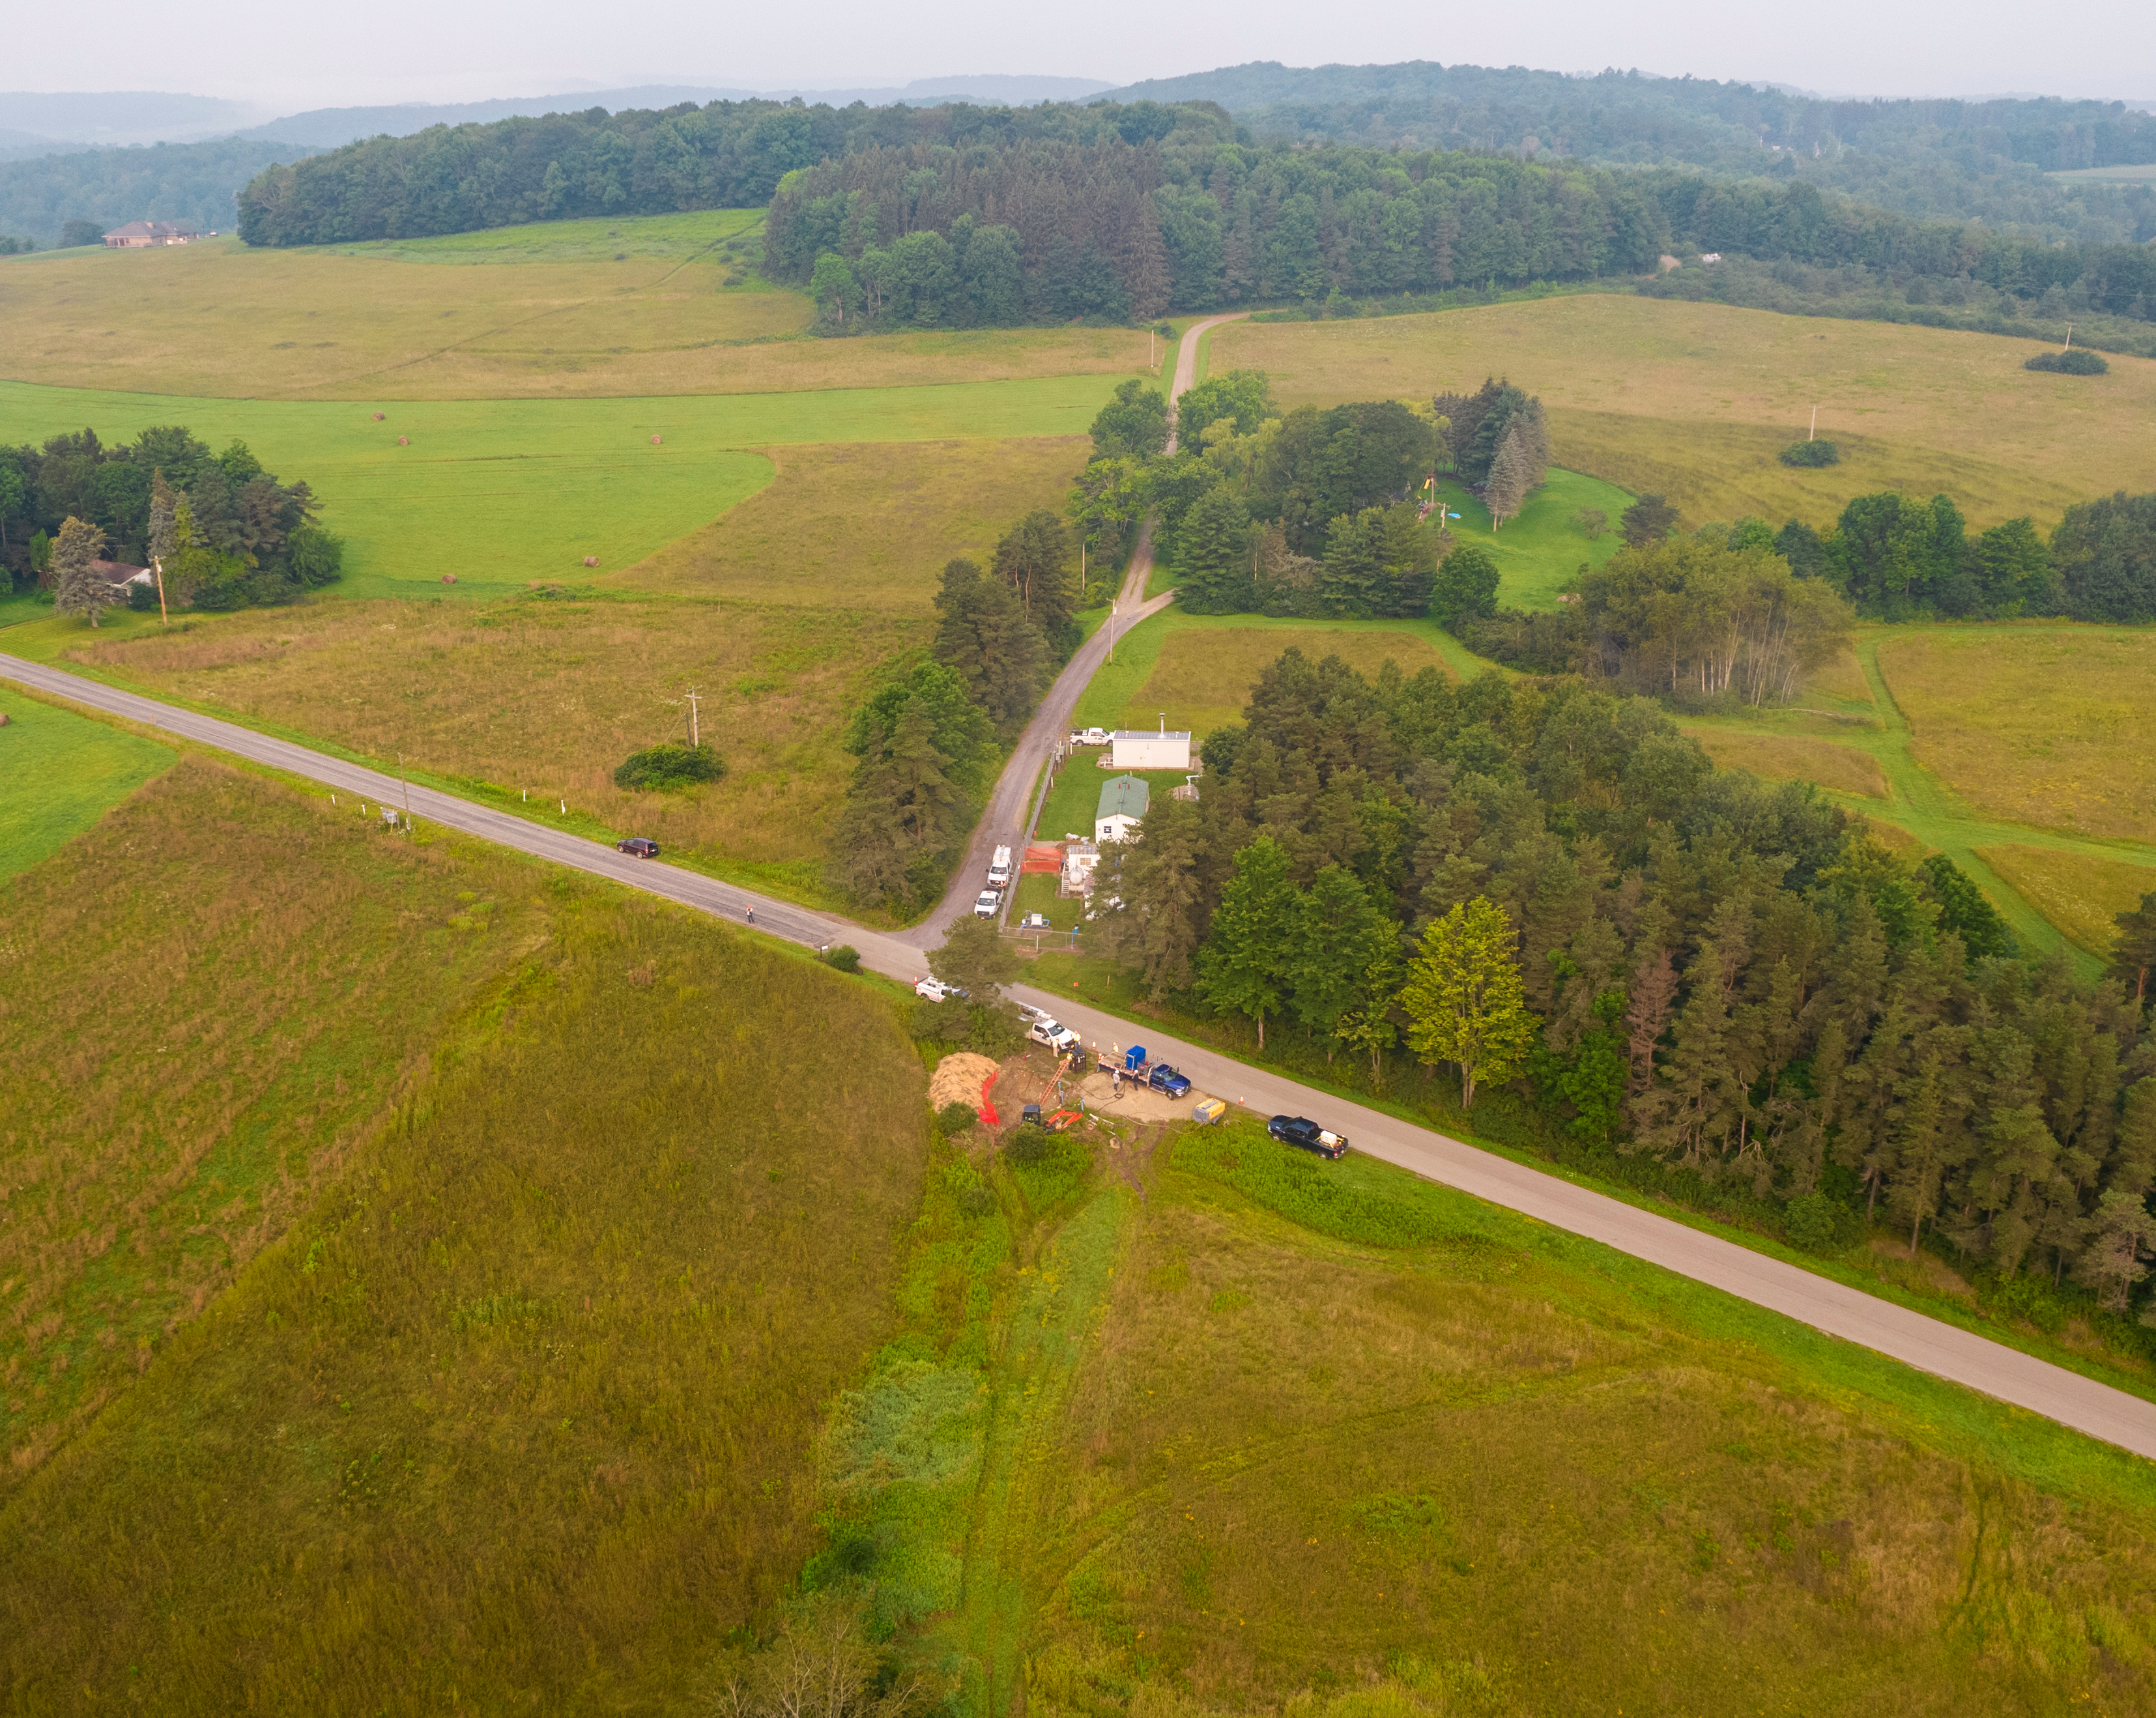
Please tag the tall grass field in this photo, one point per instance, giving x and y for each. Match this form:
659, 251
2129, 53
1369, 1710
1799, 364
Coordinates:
429, 1274
1695, 400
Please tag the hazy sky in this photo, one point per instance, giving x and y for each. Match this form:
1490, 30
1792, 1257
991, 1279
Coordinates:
285, 57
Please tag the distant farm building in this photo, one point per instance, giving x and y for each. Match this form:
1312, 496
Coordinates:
1122, 809
1141, 749
137, 235
120, 575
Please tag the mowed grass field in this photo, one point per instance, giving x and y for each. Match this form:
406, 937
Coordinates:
567, 309
1695, 401
867, 524
549, 694
502, 492
2048, 725
458, 1325
1540, 551
2080, 893
59, 772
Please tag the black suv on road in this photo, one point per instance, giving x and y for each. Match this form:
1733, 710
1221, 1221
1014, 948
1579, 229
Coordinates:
637, 846
1302, 1130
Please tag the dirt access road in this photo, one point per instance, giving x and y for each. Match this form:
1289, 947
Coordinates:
1010, 809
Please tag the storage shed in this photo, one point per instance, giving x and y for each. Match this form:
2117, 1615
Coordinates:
1122, 809
1141, 749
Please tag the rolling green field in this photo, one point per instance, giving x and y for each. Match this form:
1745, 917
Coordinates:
419, 1314
504, 492
1695, 401
58, 774
1539, 553
660, 304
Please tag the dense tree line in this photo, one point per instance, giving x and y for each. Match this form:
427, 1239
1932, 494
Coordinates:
1193, 221
100, 189
927, 744
1730, 977
228, 532
1309, 512
637, 161
1929, 158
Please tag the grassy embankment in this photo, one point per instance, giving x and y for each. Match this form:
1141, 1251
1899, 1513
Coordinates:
456, 1296
558, 309
1695, 401
58, 773
1278, 1430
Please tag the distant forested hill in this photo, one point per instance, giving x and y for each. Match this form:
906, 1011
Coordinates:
195, 182
724, 155
1951, 159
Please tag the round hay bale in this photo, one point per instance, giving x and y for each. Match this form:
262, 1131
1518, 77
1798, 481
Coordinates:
403, 441
448, 578
654, 441
379, 415
590, 560
958, 1080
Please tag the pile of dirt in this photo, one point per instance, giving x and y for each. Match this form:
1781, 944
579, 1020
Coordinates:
958, 1080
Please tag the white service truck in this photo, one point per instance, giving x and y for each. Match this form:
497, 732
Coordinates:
999, 868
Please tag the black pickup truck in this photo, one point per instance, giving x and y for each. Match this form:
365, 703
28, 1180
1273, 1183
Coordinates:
1302, 1130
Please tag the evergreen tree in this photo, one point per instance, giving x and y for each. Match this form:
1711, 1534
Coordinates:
1506, 490
1163, 893
1142, 264
1257, 933
77, 588
986, 636
1034, 558
975, 957
1465, 587
164, 538
1964, 911
2134, 958
1352, 578
1213, 554
1339, 934
1463, 1000
1407, 558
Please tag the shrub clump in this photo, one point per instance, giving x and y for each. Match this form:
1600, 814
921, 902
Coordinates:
2075, 360
845, 958
1811, 452
1026, 1144
954, 1118
668, 768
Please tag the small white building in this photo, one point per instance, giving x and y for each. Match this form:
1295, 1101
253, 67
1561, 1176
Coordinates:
1141, 749
1122, 809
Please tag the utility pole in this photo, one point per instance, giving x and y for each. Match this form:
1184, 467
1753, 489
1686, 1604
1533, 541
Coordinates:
692, 694
406, 786
164, 619
1111, 634
1814, 436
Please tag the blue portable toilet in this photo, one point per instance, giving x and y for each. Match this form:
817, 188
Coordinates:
1134, 1059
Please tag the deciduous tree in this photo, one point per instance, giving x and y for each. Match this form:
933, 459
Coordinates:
1463, 997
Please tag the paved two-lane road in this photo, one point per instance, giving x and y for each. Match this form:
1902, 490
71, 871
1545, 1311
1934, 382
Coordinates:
1940, 1349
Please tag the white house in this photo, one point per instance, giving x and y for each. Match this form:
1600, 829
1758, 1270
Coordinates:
1140, 748
137, 235
1122, 809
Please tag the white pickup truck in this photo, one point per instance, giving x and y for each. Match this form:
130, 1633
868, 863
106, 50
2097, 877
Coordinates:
1088, 736
1046, 1029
